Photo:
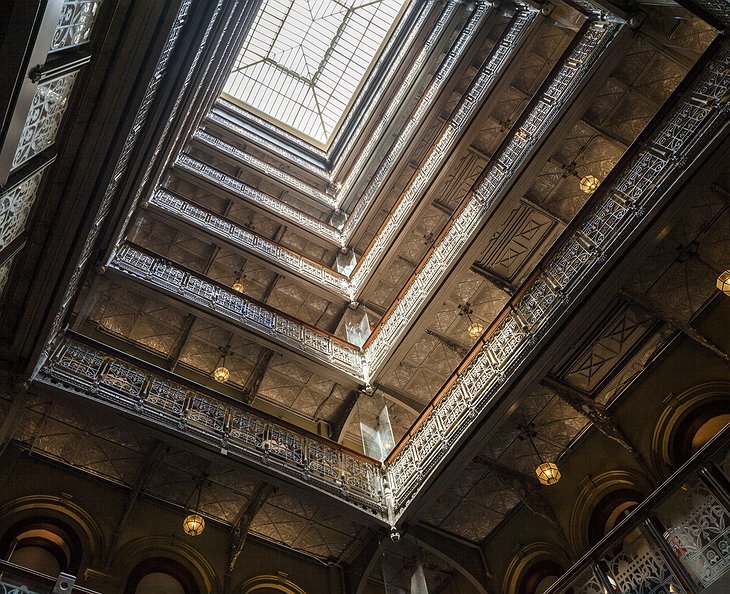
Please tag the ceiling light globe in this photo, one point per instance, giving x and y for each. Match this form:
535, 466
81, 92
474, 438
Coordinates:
221, 374
475, 329
589, 184
548, 473
193, 525
237, 286
723, 282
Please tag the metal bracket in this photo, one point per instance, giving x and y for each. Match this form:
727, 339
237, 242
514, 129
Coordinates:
64, 583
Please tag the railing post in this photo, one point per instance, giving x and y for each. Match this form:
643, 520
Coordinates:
653, 534
602, 577
716, 483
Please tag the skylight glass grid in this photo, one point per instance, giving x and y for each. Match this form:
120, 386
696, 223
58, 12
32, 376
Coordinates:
303, 61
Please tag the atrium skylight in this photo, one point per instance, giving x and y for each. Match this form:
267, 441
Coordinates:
304, 61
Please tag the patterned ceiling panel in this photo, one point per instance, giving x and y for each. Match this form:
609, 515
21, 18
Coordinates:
153, 325
173, 243
292, 299
619, 334
459, 178
227, 267
290, 385
397, 564
304, 526
100, 445
518, 236
197, 194
389, 285
308, 248
204, 346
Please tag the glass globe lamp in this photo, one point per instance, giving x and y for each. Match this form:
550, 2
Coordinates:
475, 329
237, 286
548, 473
589, 184
723, 282
221, 374
193, 525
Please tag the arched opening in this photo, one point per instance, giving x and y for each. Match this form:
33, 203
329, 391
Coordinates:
43, 544
697, 428
539, 577
610, 510
160, 575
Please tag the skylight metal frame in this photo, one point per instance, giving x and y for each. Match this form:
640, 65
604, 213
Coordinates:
249, 91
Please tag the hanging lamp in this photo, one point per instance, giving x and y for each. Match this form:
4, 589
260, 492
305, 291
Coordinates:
221, 372
194, 524
547, 472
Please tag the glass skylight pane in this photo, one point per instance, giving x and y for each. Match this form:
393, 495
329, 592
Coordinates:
304, 60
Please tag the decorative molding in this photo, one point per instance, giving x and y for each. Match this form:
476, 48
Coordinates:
75, 23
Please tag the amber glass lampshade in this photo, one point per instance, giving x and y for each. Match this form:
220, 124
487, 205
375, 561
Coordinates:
548, 473
193, 525
589, 184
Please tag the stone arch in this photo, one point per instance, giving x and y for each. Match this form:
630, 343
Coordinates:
137, 551
706, 399
23, 511
264, 584
529, 560
597, 490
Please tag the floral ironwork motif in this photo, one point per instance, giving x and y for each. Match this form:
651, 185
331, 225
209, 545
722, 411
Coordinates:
15, 207
238, 431
44, 117
701, 538
232, 305
75, 23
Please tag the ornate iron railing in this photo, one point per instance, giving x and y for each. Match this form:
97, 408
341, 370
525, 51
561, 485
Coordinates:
251, 242
165, 276
235, 430
614, 212
75, 23
475, 209
231, 184
676, 540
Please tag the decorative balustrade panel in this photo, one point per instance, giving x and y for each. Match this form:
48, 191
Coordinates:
75, 23
698, 531
235, 430
264, 167
5, 274
416, 118
454, 127
44, 117
638, 568
380, 88
251, 242
615, 213
164, 275
275, 148
254, 196
15, 208
445, 253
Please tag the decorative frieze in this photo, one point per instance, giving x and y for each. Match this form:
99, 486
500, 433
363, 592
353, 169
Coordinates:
75, 23
44, 117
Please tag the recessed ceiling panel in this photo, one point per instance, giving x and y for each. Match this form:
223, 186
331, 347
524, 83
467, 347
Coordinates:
304, 61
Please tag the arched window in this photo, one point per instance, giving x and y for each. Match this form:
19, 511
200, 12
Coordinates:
697, 427
159, 575
610, 510
539, 576
43, 544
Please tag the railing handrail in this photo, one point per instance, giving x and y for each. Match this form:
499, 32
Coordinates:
36, 576
645, 508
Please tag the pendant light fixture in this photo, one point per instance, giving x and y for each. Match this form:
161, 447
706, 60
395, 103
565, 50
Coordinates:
221, 372
723, 282
589, 184
238, 284
194, 524
475, 329
547, 472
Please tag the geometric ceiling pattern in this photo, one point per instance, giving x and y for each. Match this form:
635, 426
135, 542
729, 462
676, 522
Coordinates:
303, 61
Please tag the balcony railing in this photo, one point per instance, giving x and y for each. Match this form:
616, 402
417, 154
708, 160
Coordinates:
677, 540
15, 579
236, 430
